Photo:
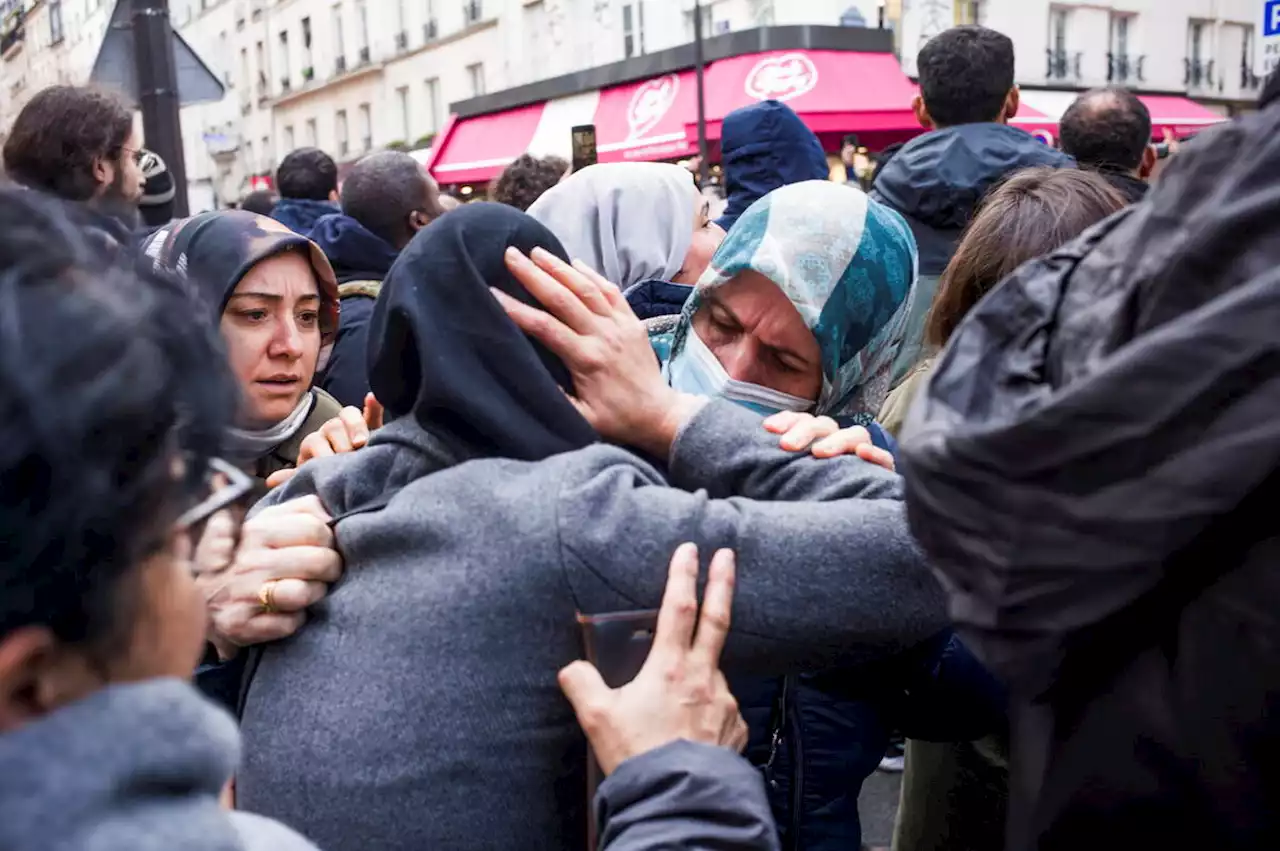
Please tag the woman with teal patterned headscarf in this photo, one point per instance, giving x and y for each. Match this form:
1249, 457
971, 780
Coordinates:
845, 264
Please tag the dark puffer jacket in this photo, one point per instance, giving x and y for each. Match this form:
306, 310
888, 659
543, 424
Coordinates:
1119, 569
936, 181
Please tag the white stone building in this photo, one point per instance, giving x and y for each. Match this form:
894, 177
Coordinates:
355, 75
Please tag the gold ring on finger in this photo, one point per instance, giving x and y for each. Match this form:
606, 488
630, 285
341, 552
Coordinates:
267, 596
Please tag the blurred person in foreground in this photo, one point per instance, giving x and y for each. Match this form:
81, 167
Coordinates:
1118, 570
79, 143
1109, 131
386, 199
307, 181
102, 743
526, 179
493, 430
967, 96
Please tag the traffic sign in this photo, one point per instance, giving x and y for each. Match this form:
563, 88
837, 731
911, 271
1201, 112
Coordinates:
1267, 52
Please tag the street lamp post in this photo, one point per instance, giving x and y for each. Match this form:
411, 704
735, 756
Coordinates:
704, 166
158, 92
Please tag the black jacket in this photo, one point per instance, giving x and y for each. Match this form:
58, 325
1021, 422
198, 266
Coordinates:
936, 181
1093, 471
1132, 188
356, 255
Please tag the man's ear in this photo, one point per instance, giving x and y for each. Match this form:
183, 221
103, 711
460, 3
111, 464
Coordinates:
333, 195
1011, 103
104, 172
922, 112
1148, 164
37, 676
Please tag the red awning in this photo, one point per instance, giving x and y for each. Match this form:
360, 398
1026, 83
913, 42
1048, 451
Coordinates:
1178, 115
646, 120
473, 150
833, 91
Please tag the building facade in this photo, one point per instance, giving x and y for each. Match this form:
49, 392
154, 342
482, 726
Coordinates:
355, 75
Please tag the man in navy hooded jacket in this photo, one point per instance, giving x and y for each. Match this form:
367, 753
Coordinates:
967, 96
307, 180
386, 199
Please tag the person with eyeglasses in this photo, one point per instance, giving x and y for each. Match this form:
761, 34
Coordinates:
78, 143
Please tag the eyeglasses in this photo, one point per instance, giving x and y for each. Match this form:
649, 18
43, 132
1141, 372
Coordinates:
228, 486
137, 153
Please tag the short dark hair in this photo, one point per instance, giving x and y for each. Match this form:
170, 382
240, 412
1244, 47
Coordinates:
384, 189
1106, 128
307, 173
524, 181
1033, 212
261, 201
965, 75
108, 377
60, 133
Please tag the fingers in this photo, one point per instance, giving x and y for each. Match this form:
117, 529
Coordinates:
316, 564
586, 691
538, 324
575, 280
612, 294
318, 444
679, 610
296, 595
783, 422
801, 435
280, 477
556, 297
879, 457
357, 430
739, 738
302, 505
271, 626
843, 441
286, 530
717, 604
217, 545
374, 413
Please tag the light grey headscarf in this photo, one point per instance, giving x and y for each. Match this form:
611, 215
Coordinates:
631, 222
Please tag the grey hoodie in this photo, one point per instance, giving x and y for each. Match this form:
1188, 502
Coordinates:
419, 707
130, 768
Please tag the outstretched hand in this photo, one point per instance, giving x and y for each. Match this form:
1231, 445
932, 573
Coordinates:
823, 437
346, 432
586, 322
680, 692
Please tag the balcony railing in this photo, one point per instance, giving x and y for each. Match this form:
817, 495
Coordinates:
1198, 74
430, 30
285, 85
1122, 68
364, 56
340, 65
344, 148
402, 40
15, 33
1062, 65
472, 12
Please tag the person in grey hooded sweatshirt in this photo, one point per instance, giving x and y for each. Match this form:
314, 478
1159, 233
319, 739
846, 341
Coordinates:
967, 96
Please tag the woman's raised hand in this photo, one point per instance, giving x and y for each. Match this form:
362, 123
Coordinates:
346, 432
585, 321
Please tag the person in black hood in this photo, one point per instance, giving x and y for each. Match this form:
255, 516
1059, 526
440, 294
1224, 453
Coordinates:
1109, 131
386, 199
1092, 469
765, 146
967, 95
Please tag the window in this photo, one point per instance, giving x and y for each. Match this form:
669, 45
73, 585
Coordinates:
475, 73
339, 46
1196, 38
55, 22
430, 30
308, 68
362, 25
266, 155
260, 55
629, 40
706, 23
224, 53
1058, 30
535, 49
244, 69
313, 138
284, 59
288, 138
340, 131
973, 12
250, 163
402, 102
1119, 64
433, 105
1120, 35
366, 127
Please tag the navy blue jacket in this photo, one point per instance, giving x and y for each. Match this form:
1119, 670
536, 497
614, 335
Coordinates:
301, 214
936, 181
356, 254
763, 147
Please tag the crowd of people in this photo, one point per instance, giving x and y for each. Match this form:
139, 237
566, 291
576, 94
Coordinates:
312, 508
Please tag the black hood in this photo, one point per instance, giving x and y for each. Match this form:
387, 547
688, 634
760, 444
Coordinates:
939, 178
355, 252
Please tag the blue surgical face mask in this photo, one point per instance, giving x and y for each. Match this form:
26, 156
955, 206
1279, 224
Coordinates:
697, 371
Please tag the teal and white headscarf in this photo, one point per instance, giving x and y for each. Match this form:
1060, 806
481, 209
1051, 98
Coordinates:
849, 266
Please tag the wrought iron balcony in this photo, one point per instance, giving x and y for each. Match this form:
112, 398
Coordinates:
1063, 65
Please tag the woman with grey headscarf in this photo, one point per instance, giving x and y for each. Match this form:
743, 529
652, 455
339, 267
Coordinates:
633, 222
